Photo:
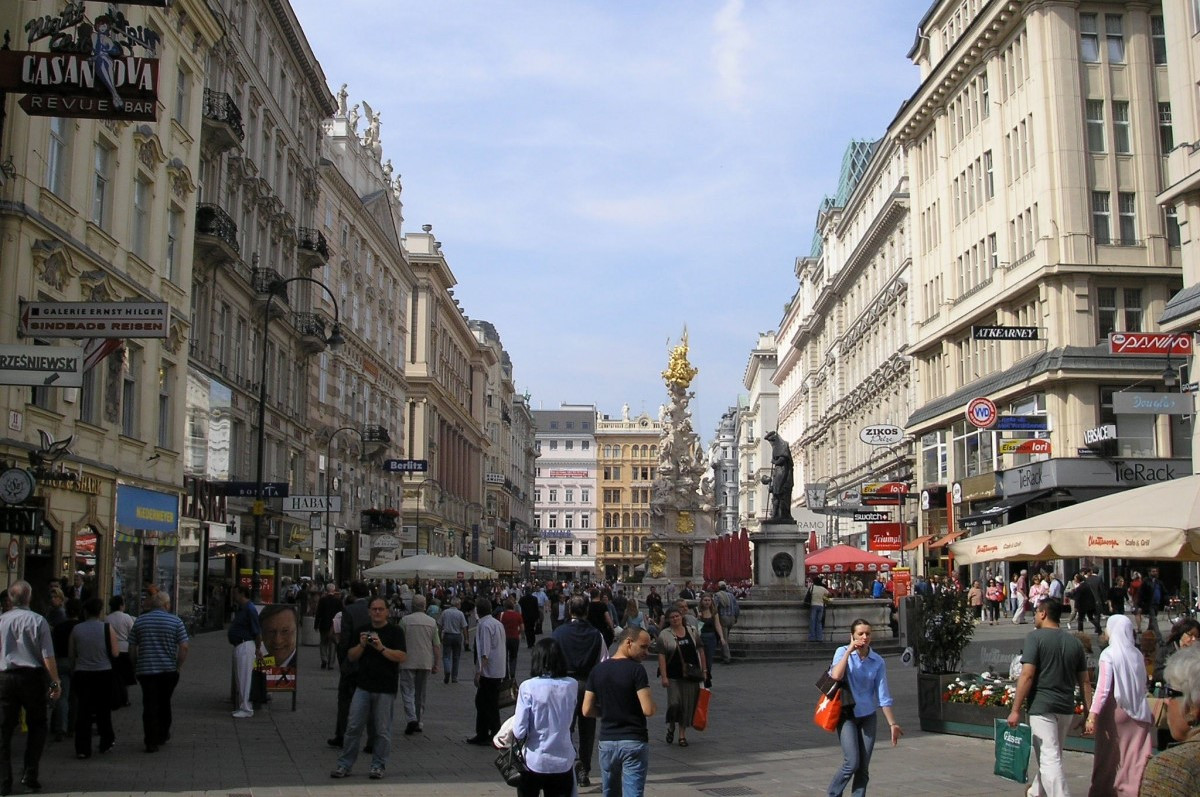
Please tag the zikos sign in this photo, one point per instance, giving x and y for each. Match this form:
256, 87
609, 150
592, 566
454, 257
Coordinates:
1149, 343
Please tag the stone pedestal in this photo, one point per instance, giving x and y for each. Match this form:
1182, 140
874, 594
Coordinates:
778, 560
682, 535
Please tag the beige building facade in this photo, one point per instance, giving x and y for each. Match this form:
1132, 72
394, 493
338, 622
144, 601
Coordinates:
1037, 216
103, 211
758, 416
626, 466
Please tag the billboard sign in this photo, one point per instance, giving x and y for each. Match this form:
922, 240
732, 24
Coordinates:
405, 465
1024, 446
885, 536
881, 434
303, 504
1153, 403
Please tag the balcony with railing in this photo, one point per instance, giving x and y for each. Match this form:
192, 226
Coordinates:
216, 234
267, 281
376, 434
312, 250
311, 328
222, 121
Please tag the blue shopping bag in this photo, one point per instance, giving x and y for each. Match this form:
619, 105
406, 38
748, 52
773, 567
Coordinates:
1013, 747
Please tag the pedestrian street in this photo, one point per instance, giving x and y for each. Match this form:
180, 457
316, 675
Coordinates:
760, 741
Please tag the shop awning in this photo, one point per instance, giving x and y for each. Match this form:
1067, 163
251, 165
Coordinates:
918, 542
949, 538
993, 512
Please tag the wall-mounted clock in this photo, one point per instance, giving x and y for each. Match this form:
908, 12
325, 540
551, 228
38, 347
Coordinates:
16, 485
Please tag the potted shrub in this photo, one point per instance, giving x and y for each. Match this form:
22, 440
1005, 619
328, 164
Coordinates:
943, 627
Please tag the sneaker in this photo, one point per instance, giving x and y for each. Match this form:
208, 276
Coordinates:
376, 773
581, 776
242, 714
340, 772
334, 741
410, 729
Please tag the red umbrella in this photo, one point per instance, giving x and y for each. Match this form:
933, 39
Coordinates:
811, 545
846, 559
709, 556
744, 573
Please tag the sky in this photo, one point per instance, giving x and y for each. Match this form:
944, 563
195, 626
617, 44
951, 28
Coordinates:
604, 174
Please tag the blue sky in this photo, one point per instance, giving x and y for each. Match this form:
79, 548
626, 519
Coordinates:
603, 173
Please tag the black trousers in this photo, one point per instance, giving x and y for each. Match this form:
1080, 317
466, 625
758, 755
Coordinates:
157, 689
94, 691
587, 731
29, 690
487, 708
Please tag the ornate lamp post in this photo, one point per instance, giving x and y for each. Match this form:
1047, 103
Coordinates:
334, 341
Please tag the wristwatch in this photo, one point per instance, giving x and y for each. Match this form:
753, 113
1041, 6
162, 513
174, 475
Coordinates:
54, 684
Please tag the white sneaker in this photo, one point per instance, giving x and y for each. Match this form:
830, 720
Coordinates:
242, 714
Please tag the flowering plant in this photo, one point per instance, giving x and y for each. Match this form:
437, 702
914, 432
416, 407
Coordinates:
988, 690
981, 690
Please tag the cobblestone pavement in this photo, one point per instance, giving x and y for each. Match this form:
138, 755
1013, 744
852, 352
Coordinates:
760, 741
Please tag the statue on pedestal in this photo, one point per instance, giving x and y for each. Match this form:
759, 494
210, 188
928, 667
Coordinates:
781, 481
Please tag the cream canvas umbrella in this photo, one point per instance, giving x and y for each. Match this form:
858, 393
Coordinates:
1160, 521
429, 566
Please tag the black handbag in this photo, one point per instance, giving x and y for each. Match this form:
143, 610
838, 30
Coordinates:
807, 602
511, 763
692, 672
828, 685
508, 693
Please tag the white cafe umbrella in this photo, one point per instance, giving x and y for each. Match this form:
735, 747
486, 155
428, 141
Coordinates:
429, 566
1160, 521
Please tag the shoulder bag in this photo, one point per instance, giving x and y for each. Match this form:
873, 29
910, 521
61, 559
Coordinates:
691, 672
807, 602
511, 763
835, 698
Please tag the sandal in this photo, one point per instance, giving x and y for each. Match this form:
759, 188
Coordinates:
683, 742
670, 734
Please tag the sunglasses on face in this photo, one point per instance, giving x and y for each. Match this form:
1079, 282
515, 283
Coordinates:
1169, 692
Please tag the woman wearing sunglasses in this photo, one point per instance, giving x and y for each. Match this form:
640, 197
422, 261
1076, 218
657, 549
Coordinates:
1175, 772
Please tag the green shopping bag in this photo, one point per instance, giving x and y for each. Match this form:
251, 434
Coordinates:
1013, 746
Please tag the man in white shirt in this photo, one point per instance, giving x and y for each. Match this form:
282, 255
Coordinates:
490, 669
423, 647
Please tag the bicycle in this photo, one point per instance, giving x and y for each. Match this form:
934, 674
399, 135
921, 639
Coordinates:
1177, 609
197, 620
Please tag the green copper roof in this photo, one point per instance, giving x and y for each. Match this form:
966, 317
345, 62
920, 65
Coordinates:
854, 166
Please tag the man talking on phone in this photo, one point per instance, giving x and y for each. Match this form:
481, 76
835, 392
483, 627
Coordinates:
379, 653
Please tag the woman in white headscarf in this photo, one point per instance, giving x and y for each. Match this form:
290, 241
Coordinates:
1120, 715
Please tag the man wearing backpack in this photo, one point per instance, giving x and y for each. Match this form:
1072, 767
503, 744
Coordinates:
728, 610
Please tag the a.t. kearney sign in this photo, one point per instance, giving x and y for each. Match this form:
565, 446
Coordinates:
1005, 333
90, 70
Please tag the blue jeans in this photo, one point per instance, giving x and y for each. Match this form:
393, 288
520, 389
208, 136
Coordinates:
624, 765
368, 706
857, 735
816, 623
452, 647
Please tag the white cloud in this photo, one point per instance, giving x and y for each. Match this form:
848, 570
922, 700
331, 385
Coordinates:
729, 52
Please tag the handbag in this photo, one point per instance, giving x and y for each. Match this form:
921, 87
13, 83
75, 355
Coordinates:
807, 602
1013, 746
508, 694
511, 763
829, 711
700, 716
692, 672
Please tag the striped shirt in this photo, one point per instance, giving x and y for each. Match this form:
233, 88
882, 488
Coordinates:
157, 634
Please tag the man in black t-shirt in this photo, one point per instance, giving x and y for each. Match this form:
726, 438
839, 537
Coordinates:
379, 653
618, 692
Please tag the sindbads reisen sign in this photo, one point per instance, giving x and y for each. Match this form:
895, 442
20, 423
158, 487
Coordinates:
41, 366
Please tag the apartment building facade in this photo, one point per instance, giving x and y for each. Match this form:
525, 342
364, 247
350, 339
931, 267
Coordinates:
565, 499
759, 416
723, 459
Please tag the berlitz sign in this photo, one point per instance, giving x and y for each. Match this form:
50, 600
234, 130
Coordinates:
1149, 343
881, 434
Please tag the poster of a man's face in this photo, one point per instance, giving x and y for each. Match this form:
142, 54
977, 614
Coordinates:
280, 632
